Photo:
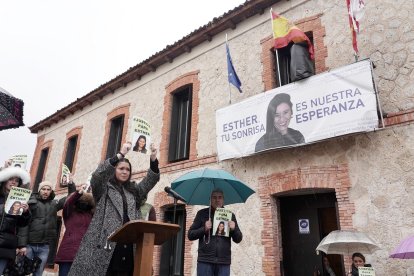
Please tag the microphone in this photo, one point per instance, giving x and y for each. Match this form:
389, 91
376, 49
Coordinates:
174, 194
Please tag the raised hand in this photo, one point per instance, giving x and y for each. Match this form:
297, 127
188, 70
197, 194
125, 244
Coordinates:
154, 152
125, 148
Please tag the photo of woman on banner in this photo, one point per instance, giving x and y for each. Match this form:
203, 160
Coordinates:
140, 144
278, 133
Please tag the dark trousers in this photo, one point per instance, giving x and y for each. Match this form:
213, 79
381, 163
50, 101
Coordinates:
117, 273
64, 268
210, 269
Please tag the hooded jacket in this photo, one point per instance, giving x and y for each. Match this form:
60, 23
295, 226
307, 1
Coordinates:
76, 224
42, 227
9, 224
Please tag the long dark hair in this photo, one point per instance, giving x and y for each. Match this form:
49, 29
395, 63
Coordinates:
3, 185
128, 185
10, 212
136, 146
218, 232
271, 110
357, 254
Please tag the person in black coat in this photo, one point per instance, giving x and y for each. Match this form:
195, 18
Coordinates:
358, 260
278, 133
214, 252
9, 177
35, 239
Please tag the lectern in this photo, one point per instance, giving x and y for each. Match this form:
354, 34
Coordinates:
145, 234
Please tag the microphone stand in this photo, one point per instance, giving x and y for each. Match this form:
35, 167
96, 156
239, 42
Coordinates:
174, 241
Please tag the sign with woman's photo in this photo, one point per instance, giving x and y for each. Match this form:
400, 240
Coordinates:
17, 196
64, 177
334, 103
221, 222
141, 135
19, 161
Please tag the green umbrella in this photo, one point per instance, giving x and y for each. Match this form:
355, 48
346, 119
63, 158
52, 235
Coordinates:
196, 187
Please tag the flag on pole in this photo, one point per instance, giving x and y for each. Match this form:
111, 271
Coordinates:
232, 75
284, 32
355, 14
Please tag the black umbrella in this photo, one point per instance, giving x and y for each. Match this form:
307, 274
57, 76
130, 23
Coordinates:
11, 111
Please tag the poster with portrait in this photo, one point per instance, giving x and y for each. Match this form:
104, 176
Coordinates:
19, 160
221, 220
64, 177
17, 196
366, 271
141, 135
330, 104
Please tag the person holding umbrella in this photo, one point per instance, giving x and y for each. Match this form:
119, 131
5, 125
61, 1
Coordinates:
214, 252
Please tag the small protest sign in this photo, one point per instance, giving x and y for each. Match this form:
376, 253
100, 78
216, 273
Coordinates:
64, 179
141, 135
17, 196
19, 161
366, 271
221, 222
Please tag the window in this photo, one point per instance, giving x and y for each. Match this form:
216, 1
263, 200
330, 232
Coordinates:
285, 68
115, 136
180, 130
172, 251
41, 168
70, 152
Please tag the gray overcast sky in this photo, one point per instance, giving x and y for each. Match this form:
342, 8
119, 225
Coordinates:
52, 52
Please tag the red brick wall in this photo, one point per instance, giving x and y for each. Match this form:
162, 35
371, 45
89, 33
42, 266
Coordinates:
161, 202
397, 118
186, 79
311, 24
123, 109
333, 177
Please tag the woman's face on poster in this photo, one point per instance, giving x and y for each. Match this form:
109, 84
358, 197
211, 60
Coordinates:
16, 207
282, 117
221, 227
141, 143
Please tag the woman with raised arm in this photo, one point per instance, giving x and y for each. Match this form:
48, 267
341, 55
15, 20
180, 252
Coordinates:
118, 201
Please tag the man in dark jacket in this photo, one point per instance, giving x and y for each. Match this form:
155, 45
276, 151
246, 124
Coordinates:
214, 252
35, 238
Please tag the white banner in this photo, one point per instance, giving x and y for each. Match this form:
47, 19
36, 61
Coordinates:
330, 104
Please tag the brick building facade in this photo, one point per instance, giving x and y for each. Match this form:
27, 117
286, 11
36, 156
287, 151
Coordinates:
369, 175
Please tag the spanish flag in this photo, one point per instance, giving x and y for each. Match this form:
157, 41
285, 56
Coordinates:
284, 32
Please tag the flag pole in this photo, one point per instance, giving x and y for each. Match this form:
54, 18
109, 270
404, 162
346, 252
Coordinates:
276, 53
227, 45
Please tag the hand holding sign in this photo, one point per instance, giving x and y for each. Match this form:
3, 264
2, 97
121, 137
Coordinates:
125, 148
154, 151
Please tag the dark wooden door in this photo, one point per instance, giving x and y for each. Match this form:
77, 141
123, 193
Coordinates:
299, 243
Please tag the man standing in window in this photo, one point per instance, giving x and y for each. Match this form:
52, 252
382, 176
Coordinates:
34, 239
214, 252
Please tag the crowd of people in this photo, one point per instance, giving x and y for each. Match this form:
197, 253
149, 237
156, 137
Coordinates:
89, 218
